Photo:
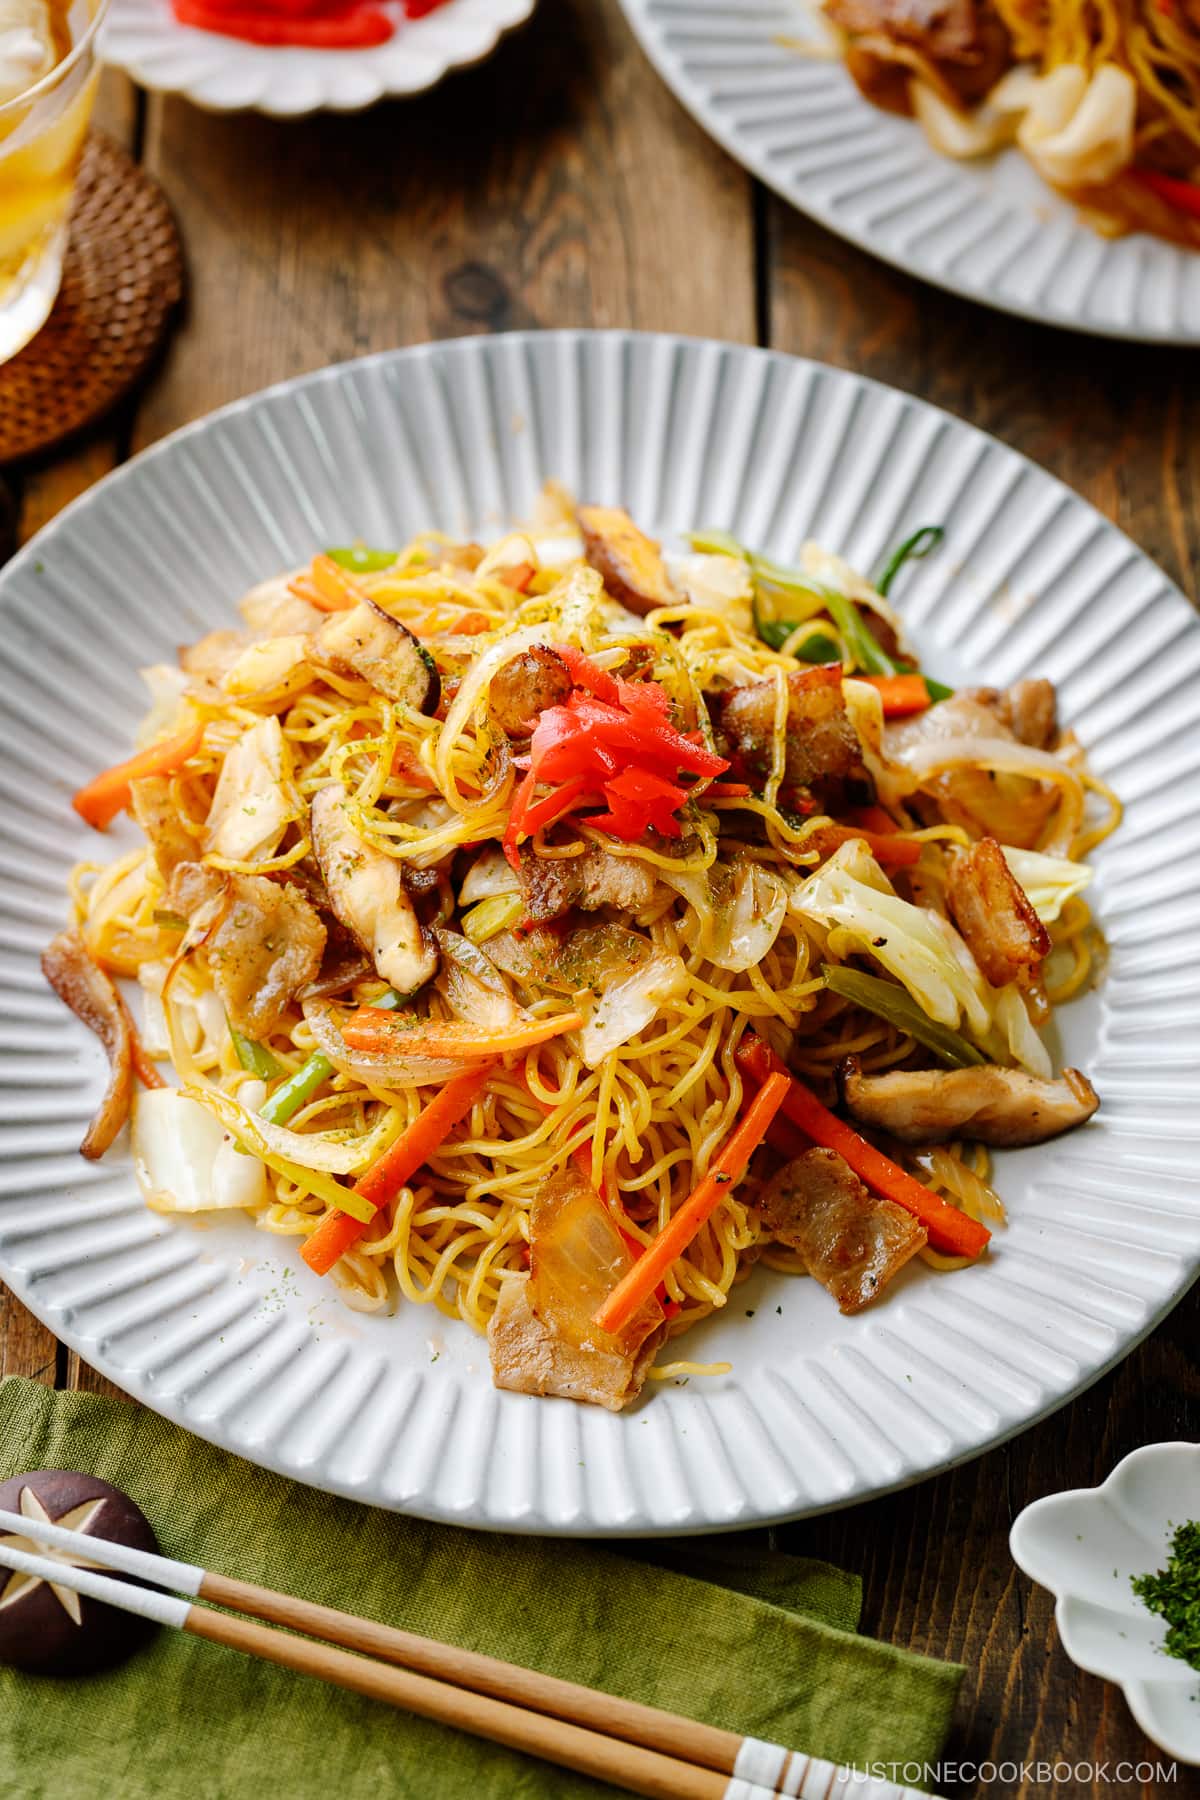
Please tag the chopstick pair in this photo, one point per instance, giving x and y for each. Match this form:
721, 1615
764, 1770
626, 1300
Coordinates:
640, 1748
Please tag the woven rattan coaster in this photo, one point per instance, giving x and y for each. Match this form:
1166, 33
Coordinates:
122, 280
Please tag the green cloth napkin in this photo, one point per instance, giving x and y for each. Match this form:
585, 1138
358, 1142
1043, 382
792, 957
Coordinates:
762, 1644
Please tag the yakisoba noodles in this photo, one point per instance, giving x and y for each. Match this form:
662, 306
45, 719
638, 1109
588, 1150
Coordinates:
1102, 96
487, 896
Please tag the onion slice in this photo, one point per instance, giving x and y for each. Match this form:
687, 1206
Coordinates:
376, 1069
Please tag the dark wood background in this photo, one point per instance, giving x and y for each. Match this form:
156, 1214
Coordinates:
560, 184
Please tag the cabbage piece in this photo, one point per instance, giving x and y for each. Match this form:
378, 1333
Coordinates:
255, 799
747, 904
270, 669
720, 584
620, 981
986, 127
851, 893
471, 984
918, 947
185, 1162
1049, 881
1079, 129
167, 684
489, 875
200, 1013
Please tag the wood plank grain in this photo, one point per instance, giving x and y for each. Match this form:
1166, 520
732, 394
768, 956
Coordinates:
1118, 422
82, 1378
557, 184
26, 1347
45, 486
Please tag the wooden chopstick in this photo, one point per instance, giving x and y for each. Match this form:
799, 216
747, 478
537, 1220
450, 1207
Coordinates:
750, 1767
638, 1770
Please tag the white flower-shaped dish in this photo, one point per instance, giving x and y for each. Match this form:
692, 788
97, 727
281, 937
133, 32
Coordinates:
1085, 1546
144, 38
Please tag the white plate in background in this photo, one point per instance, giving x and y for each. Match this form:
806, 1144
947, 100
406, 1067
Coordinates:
222, 1328
990, 230
225, 74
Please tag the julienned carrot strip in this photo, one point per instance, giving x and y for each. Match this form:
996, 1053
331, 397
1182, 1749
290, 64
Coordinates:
371, 1028
517, 576
334, 590
954, 1232
900, 694
730, 1164
102, 799
889, 849
384, 1179
783, 1137
873, 818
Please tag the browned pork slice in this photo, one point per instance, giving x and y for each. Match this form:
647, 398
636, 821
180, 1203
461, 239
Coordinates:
994, 914
542, 1337
823, 750
170, 840
1028, 709
525, 687
91, 996
961, 47
996, 1106
263, 941
629, 563
552, 885
852, 1242
529, 1358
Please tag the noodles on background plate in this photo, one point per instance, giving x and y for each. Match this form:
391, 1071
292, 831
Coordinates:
547, 933
1101, 96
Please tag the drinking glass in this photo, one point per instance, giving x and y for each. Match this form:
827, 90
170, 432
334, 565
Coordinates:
41, 142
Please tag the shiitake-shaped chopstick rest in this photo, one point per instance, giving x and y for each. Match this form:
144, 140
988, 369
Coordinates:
50, 1630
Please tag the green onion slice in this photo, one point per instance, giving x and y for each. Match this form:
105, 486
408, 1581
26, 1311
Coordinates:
888, 1000
912, 549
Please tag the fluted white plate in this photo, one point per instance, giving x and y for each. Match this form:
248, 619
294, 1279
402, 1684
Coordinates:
990, 229
222, 1328
224, 74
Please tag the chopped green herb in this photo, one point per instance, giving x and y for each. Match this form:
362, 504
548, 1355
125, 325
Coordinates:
912, 549
171, 921
1174, 1594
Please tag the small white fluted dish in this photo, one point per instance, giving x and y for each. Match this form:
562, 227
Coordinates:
1085, 1546
144, 38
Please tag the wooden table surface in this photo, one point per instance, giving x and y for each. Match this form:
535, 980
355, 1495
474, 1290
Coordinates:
561, 184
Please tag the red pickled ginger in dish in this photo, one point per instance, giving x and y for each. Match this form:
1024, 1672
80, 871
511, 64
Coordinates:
316, 24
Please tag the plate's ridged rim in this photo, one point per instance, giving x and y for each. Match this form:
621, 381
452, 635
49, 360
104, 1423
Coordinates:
819, 1411
804, 129
224, 74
